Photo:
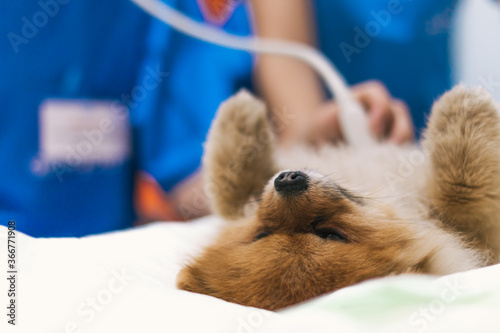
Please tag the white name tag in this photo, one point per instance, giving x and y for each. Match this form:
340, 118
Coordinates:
82, 133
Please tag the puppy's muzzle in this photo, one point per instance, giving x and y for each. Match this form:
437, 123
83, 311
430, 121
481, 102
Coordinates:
291, 183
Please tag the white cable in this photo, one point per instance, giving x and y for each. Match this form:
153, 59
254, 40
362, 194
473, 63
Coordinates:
353, 119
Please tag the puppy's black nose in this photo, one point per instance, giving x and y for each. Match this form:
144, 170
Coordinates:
291, 182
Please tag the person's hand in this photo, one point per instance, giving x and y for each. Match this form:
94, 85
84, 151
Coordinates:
389, 118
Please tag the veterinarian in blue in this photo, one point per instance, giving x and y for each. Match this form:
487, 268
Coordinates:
67, 169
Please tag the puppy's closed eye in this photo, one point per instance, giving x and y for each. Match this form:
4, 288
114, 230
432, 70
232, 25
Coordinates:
327, 233
261, 235
330, 234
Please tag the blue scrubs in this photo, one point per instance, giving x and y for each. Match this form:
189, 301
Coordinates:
105, 50
402, 43
66, 49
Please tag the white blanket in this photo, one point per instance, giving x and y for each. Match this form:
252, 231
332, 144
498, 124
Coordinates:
125, 282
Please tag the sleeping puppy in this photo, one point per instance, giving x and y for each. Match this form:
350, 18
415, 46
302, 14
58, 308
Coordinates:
336, 216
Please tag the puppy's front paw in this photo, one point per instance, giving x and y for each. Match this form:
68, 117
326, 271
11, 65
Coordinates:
464, 113
463, 137
463, 141
238, 156
242, 116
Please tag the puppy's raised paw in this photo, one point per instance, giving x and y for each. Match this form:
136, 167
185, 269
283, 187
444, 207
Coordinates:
463, 141
464, 113
241, 116
238, 155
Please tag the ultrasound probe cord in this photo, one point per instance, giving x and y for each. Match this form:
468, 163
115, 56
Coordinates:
353, 119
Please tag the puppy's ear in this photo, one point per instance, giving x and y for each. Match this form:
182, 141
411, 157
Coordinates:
238, 157
188, 280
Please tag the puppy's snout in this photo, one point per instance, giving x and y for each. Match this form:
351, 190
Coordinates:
292, 182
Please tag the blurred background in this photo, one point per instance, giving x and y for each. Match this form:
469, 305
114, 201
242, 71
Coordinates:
104, 110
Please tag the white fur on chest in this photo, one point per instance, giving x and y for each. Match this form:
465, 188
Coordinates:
386, 172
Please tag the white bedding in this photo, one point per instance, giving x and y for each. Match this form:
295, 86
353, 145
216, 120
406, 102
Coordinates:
125, 282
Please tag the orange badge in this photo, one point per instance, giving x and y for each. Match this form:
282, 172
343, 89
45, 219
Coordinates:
218, 11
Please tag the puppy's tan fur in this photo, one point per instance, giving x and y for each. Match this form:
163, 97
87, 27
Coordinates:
433, 208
